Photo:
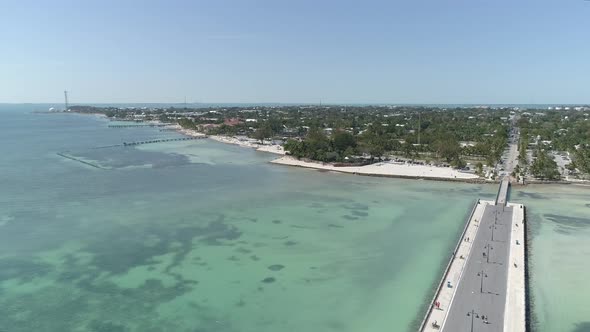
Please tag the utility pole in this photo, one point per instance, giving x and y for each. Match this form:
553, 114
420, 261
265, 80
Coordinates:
66, 100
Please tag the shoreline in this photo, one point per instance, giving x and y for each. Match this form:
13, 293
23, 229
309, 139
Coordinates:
366, 170
431, 173
270, 148
286, 160
389, 170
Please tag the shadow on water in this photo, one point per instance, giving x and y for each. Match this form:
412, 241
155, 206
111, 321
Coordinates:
102, 326
534, 222
582, 327
78, 296
524, 194
128, 248
120, 157
571, 222
24, 270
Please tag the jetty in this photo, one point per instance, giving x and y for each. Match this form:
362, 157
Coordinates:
80, 160
162, 140
138, 125
483, 287
67, 155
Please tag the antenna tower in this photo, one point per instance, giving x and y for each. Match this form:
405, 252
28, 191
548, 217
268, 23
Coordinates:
66, 100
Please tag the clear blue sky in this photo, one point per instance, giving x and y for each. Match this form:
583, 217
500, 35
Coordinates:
439, 51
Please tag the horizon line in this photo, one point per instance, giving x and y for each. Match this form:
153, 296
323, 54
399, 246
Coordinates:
289, 103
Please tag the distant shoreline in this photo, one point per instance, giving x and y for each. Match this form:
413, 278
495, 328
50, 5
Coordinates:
405, 171
382, 169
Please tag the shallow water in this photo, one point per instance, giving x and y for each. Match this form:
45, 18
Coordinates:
203, 236
559, 224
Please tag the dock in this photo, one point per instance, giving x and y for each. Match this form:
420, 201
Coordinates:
483, 287
162, 140
138, 125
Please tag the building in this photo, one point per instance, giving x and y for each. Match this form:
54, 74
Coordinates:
232, 122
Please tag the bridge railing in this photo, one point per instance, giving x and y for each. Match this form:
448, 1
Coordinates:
446, 271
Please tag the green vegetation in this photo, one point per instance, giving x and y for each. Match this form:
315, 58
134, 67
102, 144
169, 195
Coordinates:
522, 148
263, 132
450, 136
433, 134
318, 146
544, 167
582, 159
564, 130
337, 133
187, 123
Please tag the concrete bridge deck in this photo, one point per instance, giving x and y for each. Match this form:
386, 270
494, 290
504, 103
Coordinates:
481, 292
502, 197
484, 288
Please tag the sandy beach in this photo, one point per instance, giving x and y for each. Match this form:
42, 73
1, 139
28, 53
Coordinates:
385, 169
270, 148
188, 132
378, 169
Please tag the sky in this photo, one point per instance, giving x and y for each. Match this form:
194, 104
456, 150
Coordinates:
278, 51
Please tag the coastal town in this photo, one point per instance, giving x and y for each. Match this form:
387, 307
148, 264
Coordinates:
473, 144
280, 166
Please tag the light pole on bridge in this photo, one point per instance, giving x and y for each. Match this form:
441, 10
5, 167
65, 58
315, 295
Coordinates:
473, 315
493, 227
488, 247
482, 275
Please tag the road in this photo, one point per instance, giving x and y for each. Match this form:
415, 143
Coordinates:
510, 157
482, 288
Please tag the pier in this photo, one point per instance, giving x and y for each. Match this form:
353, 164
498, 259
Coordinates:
67, 155
483, 286
138, 125
162, 140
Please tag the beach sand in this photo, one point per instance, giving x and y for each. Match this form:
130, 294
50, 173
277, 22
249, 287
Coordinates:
378, 169
385, 169
270, 148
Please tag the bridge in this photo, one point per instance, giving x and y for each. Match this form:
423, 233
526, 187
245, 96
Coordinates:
502, 196
483, 285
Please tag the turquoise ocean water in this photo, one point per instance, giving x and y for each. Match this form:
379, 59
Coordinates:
559, 230
202, 236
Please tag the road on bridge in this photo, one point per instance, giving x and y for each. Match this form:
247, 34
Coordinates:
479, 301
